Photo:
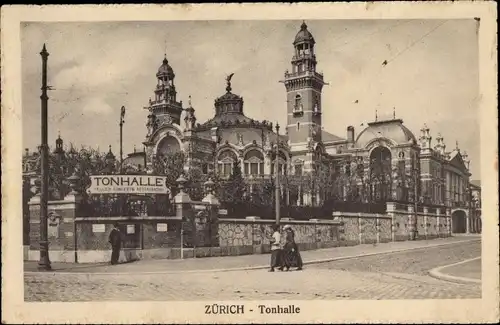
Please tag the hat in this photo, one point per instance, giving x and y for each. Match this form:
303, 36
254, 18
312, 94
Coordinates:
287, 227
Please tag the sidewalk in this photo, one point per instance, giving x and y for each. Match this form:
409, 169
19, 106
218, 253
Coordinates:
244, 262
468, 271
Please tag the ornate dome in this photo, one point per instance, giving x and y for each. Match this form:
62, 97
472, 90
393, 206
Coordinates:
228, 103
391, 129
303, 35
165, 69
110, 155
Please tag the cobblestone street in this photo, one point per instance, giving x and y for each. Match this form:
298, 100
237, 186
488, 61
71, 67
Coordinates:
400, 275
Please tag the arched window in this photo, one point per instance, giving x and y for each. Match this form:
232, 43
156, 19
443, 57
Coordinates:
299, 167
254, 162
225, 162
380, 174
168, 145
298, 104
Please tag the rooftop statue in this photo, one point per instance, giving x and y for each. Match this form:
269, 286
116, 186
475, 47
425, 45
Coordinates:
228, 80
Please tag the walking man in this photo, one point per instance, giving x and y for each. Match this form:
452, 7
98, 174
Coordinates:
276, 260
115, 239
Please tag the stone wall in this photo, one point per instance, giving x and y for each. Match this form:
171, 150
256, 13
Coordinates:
80, 238
252, 235
363, 228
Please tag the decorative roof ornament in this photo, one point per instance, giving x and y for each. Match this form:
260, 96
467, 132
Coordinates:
228, 80
304, 35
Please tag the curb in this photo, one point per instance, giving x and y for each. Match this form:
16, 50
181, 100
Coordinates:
249, 268
436, 273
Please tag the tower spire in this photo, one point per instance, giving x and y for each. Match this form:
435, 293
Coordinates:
394, 113
165, 51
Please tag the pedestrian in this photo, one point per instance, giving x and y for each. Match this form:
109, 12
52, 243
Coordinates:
115, 239
276, 259
291, 254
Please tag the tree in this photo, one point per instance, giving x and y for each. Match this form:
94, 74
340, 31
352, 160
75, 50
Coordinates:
234, 189
82, 163
196, 184
170, 165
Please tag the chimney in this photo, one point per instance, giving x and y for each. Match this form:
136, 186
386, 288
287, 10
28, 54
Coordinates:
350, 134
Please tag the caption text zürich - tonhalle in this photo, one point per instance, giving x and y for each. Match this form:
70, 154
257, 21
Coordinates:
218, 309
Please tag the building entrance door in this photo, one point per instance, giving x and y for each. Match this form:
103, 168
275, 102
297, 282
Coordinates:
459, 222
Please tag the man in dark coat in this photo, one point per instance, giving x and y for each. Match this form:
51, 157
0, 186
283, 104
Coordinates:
115, 239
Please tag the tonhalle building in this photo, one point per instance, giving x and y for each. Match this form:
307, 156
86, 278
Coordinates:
395, 163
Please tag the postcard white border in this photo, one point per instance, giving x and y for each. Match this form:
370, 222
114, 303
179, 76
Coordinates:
16, 310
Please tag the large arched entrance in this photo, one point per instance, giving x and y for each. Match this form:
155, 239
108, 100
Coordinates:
168, 145
459, 222
380, 174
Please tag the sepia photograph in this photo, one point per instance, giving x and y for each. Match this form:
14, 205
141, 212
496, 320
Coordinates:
251, 164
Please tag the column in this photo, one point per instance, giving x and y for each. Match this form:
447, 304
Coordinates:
213, 213
391, 207
438, 222
426, 211
449, 222
184, 212
467, 222
412, 220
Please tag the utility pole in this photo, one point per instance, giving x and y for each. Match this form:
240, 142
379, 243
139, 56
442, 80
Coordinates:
122, 120
277, 177
44, 263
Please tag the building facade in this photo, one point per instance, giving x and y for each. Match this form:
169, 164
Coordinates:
384, 161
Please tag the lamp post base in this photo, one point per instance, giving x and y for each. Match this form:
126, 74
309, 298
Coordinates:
44, 263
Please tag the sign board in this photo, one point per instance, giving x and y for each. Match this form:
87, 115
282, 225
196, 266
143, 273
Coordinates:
161, 227
130, 229
223, 212
99, 227
200, 207
53, 231
124, 184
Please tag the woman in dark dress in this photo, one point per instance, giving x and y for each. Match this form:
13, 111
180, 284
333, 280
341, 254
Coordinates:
291, 254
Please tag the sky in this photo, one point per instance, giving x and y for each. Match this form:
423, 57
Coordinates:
431, 75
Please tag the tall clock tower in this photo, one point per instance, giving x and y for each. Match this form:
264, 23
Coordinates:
303, 86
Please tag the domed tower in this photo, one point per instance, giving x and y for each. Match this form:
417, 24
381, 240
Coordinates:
303, 86
164, 108
59, 151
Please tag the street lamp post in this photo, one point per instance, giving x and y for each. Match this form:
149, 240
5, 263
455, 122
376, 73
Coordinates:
277, 178
44, 263
415, 221
122, 120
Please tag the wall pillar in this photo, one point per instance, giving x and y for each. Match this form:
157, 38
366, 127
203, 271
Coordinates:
213, 213
412, 220
61, 228
377, 227
426, 218
360, 229
183, 210
391, 207
467, 222
438, 222
449, 222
